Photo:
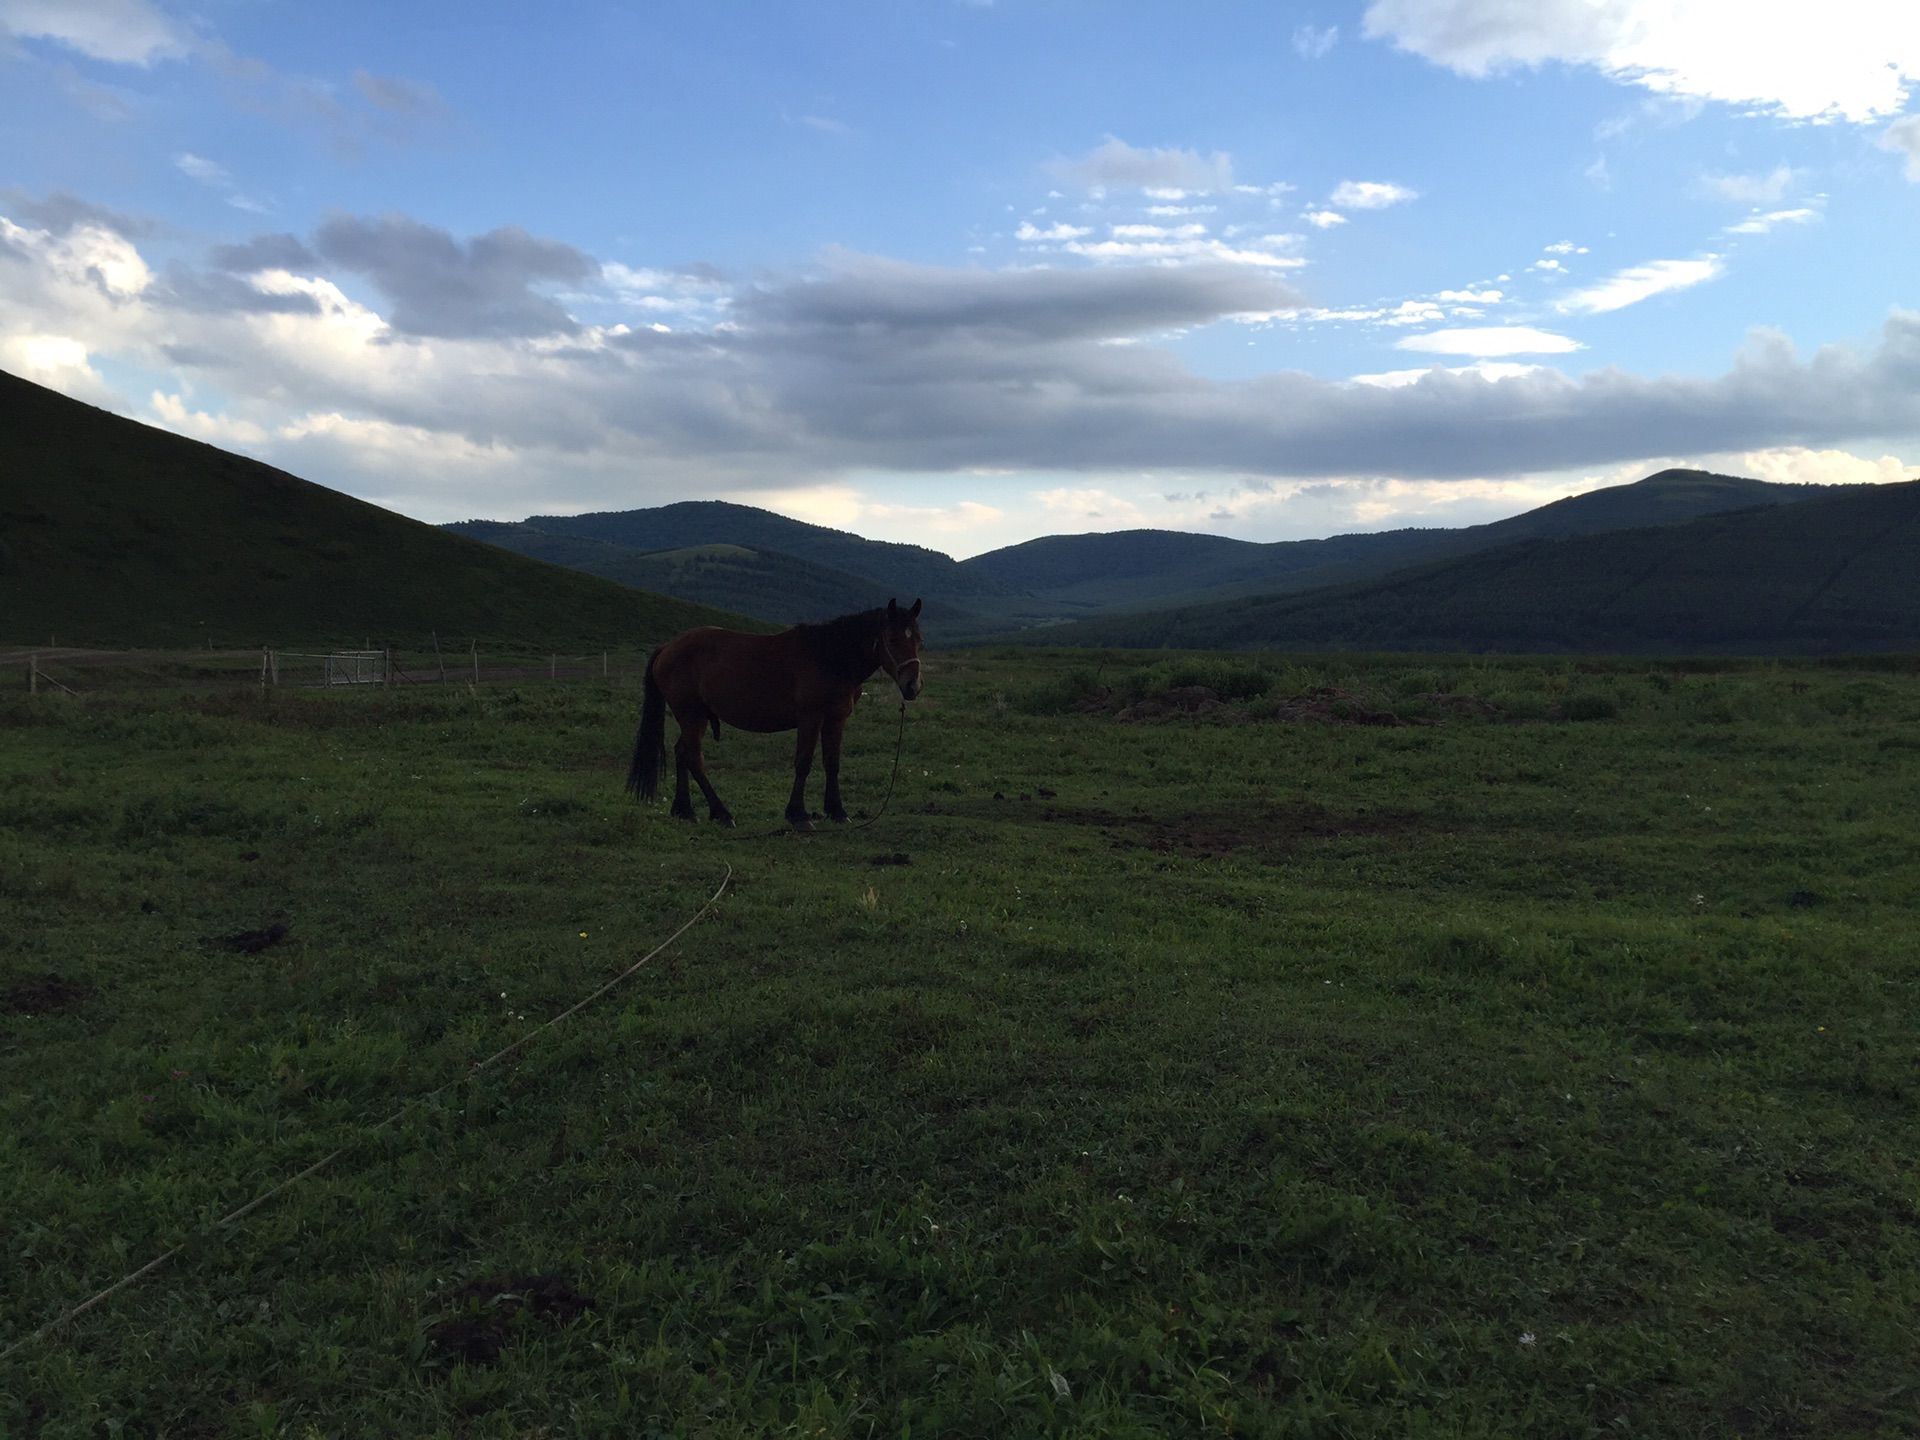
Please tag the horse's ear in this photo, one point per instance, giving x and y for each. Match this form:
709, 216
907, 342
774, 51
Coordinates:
915, 611
893, 609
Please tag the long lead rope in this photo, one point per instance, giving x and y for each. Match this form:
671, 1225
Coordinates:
242, 1211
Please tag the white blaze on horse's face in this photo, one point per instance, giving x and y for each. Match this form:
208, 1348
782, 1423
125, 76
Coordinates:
899, 647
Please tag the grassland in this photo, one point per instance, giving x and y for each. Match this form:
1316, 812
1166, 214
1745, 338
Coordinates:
1547, 1070
115, 533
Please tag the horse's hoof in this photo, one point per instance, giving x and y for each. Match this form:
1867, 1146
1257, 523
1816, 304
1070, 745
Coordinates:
724, 819
801, 823
839, 819
686, 815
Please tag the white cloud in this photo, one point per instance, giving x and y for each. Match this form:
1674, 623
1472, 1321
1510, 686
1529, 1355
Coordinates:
1217, 250
1165, 173
1761, 224
1312, 44
88, 257
1483, 370
1032, 233
875, 367
1157, 232
1080, 503
1413, 312
1847, 59
1548, 265
1564, 247
1752, 189
826, 125
1324, 219
198, 167
1469, 297
1797, 465
1903, 137
1491, 340
1642, 282
123, 32
956, 519
1370, 194
59, 361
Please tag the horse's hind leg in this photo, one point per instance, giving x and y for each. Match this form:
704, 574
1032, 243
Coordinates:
682, 801
696, 762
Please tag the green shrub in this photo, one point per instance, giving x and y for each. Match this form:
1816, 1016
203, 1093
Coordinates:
1079, 689
1591, 705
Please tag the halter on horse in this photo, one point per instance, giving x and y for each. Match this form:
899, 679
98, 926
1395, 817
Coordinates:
805, 679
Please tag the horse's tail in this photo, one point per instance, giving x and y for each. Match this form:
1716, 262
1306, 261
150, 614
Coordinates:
650, 746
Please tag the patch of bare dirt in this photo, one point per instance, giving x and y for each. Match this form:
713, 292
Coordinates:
1268, 832
1322, 705
1182, 700
46, 994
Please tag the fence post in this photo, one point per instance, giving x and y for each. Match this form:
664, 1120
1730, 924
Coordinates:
603, 665
437, 658
476, 662
553, 664
265, 664
33, 674
386, 673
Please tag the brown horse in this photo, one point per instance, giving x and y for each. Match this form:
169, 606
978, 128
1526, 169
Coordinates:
804, 679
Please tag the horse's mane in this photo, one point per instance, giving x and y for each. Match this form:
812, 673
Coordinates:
843, 647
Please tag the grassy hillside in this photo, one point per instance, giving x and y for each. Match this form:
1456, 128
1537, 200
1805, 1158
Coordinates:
766, 583
1837, 572
900, 570
1079, 575
115, 533
801, 571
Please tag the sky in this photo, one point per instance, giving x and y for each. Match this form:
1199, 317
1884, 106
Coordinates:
966, 272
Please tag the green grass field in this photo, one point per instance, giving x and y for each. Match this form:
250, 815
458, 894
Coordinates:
1548, 1069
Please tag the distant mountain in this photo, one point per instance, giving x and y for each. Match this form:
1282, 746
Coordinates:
115, 533
1071, 576
690, 523
766, 583
781, 569
1837, 572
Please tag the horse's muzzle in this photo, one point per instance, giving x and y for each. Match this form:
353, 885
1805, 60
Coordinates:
909, 688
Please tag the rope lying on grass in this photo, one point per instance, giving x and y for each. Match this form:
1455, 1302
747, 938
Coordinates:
254, 1204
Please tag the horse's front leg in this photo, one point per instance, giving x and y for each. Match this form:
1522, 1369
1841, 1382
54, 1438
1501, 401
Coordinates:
802, 763
830, 736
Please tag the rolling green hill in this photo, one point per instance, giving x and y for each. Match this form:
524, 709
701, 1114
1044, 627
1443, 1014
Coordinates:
1837, 572
901, 570
766, 583
1082, 575
115, 533
785, 569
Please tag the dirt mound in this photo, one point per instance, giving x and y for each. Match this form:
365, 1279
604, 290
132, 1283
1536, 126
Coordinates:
492, 1310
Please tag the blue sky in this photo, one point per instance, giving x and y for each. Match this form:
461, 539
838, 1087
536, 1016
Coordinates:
966, 273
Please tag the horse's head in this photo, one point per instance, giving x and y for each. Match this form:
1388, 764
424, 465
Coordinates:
899, 647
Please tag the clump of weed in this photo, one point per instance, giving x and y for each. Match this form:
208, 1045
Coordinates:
1079, 690
551, 807
1465, 951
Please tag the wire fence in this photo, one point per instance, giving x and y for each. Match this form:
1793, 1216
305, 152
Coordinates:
80, 671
